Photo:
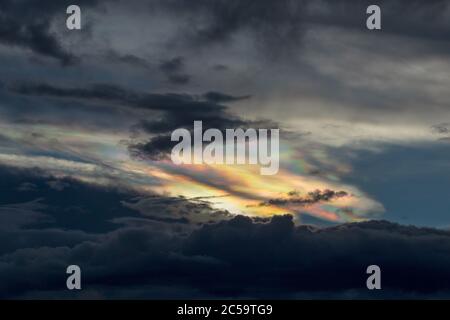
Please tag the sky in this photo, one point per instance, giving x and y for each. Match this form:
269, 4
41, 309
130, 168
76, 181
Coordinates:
85, 123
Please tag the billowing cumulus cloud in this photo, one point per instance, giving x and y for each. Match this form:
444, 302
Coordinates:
238, 257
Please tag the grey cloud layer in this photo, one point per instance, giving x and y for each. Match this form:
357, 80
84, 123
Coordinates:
27, 24
349, 73
175, 111
280, 22
228, 63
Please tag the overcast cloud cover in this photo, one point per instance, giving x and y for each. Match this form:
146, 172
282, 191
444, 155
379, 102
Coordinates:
85, 124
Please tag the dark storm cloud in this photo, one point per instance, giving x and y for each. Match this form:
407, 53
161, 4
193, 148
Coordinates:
272, 23
274, 19
35, 199
57, 185
17, 215
311, 198
122, 242
176, 111
159, 146
219, 97
262, 22
196, 210
129, 59
220, 67
238, 258
174, 70
108, 93
26, 24
27, 186
280, 25
46, 226
35, 36
297, 255
179, 78
173, 65
59, 202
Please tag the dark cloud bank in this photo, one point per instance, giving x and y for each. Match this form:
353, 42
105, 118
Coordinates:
161, 251
170, 111
126, 254
27, 25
